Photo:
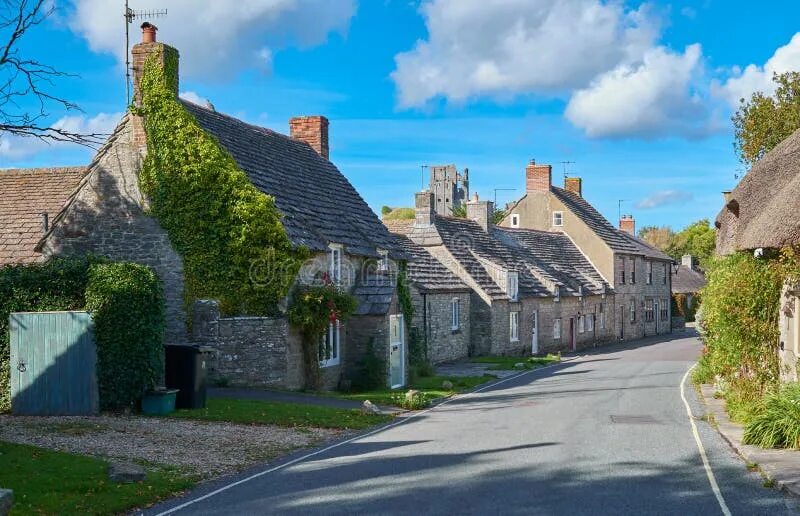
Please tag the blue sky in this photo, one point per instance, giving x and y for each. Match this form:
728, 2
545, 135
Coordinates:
638, 95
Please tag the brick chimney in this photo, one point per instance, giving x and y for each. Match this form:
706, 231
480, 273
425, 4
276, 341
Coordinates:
423, 209
538, 178
481, 212
139, 55
627, 224
313, 130
574, 185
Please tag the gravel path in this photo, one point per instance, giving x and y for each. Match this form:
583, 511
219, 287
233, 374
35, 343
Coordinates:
204, 448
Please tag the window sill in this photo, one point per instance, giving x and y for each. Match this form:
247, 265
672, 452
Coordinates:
324, 365
514, 340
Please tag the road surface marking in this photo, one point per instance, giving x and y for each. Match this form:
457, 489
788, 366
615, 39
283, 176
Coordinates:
709, 473
331, 447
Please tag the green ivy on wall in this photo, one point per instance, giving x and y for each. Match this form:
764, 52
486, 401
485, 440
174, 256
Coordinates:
229, 234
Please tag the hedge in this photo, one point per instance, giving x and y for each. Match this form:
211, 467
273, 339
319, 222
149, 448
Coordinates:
127, 308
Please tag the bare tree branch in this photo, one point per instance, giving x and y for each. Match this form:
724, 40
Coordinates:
27, 81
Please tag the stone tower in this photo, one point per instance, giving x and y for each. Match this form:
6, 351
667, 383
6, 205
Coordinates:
449, 187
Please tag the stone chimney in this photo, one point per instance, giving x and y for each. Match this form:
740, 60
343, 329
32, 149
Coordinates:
313, 130
538, 178
481, 212
727, 196
688, 261
140, 53
627, 224
423, 209
574, 185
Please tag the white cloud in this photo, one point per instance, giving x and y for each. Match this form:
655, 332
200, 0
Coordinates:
216, 38
663, 198
653, 98
17, 147
491, 47
759, 78
193, 97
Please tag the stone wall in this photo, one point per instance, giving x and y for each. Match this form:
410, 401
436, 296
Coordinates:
659, 291
433, 313
107, 218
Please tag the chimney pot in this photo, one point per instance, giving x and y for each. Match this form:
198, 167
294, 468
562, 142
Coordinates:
313, 130
627, 224
538, 178
149, 32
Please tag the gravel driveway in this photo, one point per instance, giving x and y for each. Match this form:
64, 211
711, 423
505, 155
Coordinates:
204, 448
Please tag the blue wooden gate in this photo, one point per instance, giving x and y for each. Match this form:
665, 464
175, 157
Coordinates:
53, 362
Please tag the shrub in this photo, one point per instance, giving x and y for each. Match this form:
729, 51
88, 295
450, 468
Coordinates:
56, 285
411, 400
776, 420
371, 371
127, 307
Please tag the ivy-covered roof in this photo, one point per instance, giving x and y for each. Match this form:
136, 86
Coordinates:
319, 204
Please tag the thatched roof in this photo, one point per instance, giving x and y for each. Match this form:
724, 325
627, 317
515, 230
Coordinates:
763, 210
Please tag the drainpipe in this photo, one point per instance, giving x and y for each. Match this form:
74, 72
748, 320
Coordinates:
425, 321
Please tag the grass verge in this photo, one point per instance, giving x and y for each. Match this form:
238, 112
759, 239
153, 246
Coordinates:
256, 412
51, 482
508, 363
430, 386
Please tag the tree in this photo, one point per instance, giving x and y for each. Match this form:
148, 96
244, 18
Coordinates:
498, 216
460, 211
658, 237
385, 210
763, 121
697, 239
25, 83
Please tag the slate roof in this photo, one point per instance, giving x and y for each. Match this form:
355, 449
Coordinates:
374, 295
319, 204
687, 280
427, 273
477, 251
762, 209
26, 194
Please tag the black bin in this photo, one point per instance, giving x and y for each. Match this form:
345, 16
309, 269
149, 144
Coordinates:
185, 369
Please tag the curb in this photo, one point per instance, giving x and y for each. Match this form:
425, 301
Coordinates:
779, 466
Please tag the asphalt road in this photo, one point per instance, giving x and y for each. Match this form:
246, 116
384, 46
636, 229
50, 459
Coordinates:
604, 433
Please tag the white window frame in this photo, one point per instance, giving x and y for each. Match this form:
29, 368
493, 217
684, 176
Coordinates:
383, 260
581, 323
515, 220
455, 317
633, 311
649, 272
331, 340
602, 317
512, 285
557, 294
557, 328
513, 330
558, 219
590, 323
649, 310
335, 264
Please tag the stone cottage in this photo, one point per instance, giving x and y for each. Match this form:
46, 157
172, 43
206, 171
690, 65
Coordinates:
638, 273
688, 279
106, 215
761, 214
522, 300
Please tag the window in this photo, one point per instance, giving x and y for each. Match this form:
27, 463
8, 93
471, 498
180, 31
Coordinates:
329, 346
664, 279
622, 271
558, 218
649, 316
335, 264
649, 273
557, 294
633, 310
383, 261
633, 271
590, 323
515, 221
512, 285
602, 318
456, 315
514, 326
557, 329
581, 323
664, 310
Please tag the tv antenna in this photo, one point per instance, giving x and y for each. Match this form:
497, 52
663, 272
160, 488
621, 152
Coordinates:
129, 16
619, 208
564, 166
422, 175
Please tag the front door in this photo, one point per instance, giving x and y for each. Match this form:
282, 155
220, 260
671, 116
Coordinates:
656, 315
397, 359
535, 333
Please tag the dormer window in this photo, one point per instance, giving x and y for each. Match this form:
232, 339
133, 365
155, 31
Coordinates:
335, 263
383, 260
512, 285
515, 220
558, 218
557, 294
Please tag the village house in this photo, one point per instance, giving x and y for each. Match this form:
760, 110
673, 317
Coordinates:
105, 213
760, 215
688, 280
531, 291
638, 273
